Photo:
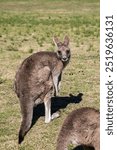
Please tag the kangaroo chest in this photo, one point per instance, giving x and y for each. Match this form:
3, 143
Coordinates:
56, 75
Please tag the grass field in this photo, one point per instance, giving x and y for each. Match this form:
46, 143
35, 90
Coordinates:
28, 26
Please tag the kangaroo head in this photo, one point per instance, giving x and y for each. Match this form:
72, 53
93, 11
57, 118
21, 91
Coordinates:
63, 50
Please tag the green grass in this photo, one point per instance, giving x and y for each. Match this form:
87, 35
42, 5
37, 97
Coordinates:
28, 26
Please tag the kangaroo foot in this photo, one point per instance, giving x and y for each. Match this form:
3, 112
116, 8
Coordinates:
55, 115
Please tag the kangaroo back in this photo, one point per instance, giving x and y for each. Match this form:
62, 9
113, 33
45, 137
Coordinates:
81, 127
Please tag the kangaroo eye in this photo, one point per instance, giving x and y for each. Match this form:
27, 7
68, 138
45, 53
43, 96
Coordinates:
68, 51
59, 52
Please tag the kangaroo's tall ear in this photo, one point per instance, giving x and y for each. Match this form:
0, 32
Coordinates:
66, 41
57, 42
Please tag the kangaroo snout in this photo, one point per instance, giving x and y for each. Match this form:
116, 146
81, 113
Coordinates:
64, 58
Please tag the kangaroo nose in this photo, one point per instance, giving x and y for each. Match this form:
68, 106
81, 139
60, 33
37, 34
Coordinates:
64, 58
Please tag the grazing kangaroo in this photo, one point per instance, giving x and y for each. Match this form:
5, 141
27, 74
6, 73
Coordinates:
81, 127
36, 81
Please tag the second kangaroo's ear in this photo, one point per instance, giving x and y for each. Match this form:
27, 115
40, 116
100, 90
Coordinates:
66, 41
57, 42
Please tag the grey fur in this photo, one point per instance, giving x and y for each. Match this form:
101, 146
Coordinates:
81, 127
38, 79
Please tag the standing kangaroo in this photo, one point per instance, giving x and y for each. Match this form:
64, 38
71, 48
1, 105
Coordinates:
36, 81
81, 127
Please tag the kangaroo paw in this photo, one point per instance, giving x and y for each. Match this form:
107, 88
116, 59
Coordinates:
47, 120
55, 115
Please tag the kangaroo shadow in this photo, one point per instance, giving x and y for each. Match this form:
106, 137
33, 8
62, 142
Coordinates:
57, 103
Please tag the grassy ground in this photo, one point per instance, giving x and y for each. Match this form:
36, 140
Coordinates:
28, 26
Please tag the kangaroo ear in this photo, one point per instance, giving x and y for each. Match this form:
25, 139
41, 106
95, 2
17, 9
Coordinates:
66, 41
57, 42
